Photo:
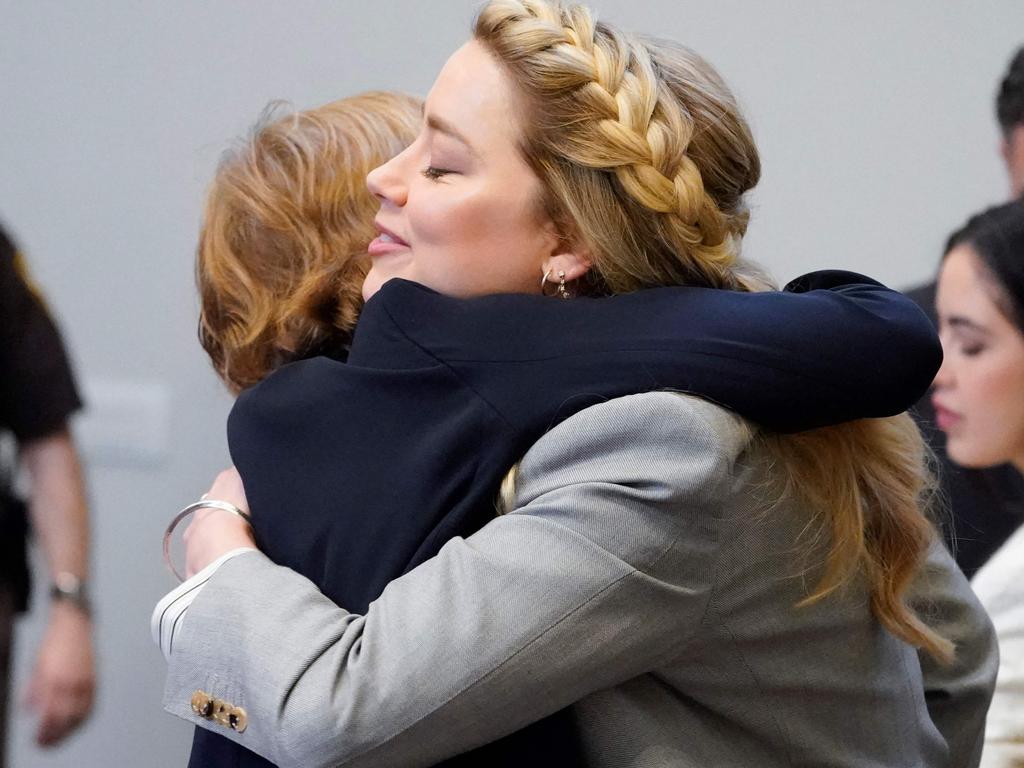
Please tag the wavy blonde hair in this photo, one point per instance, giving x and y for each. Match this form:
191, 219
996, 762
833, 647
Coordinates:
645, 158
282, 249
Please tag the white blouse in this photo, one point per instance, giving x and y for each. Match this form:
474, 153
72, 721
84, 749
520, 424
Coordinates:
1000, 587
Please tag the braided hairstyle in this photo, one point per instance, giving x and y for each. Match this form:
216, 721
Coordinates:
638, 143
644, 158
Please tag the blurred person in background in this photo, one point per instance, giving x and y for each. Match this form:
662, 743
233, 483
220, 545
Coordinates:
37, 397
983, 502
1010, 111
979, 404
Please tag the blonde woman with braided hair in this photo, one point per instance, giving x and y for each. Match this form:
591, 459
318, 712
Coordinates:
696, 590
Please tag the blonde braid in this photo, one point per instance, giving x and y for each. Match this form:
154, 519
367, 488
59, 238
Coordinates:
644, 157
618, 116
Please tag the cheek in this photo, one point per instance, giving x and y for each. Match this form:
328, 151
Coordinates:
993, 404
447, 220
1002, 391
483, 240
470, 216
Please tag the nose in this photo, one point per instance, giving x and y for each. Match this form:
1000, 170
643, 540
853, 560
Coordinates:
387, 182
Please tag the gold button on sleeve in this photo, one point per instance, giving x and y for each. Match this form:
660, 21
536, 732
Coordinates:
220, 712
238, 720
202, 703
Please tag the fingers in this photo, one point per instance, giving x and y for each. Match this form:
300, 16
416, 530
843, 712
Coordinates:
228, 487
62, 706
63, 682
62, 710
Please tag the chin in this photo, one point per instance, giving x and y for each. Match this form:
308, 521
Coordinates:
964, 454
372, 284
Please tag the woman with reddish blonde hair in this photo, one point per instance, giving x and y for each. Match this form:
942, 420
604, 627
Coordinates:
282, 251
687, 588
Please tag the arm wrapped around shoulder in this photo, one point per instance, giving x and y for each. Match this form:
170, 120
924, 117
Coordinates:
889, 348
601, 572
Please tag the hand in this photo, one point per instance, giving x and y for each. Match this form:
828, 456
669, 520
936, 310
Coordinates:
63, 682
214, 532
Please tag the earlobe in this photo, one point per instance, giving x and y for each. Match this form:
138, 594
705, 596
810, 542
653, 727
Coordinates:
570, 257
573, 265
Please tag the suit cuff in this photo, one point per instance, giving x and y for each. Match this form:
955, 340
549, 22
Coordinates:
169, 614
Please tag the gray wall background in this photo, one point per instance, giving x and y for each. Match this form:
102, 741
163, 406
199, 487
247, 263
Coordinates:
875, 120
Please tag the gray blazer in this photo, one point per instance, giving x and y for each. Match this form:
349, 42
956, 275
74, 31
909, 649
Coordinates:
644, 579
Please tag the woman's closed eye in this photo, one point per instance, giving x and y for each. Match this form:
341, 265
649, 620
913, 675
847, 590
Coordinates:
972, 349
433, 173
968, 345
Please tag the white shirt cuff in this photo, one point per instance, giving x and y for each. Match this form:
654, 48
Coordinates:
169, 614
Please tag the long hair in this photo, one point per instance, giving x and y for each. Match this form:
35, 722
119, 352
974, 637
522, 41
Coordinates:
643, 155
282, 249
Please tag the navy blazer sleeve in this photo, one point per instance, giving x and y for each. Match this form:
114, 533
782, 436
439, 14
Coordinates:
834, 346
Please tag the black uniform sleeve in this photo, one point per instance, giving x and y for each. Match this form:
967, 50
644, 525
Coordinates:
37, 388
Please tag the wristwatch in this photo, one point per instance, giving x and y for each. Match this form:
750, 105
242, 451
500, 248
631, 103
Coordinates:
67, 586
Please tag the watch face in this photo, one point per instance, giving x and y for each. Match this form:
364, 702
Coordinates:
70, 588
67, 583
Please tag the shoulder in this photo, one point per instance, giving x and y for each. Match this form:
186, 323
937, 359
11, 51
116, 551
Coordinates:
646, 478
668, 443
651, 421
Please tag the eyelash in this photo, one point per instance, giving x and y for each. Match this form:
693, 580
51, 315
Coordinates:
433, 174
973, 350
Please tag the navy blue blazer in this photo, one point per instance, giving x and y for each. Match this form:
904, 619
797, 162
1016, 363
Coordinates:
358, 471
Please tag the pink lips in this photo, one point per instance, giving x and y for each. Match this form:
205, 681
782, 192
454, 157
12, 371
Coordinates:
945, 419
386, 242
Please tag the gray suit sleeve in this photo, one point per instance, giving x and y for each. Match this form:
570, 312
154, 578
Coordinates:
957, 694
601, 573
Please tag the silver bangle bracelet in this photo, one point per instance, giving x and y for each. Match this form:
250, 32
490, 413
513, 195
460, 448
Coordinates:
203, 503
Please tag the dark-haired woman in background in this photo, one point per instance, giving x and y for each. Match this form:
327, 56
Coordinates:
979, 404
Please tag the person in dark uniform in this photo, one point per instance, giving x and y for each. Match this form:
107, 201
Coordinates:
984, 504
37, 396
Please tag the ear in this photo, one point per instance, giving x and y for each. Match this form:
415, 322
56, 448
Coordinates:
569, 254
